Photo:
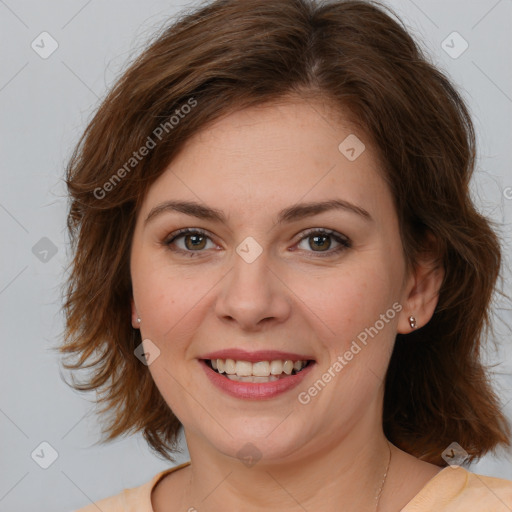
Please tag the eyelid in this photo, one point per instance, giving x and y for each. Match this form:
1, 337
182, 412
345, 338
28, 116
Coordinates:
325, 231
185, 231
343, 240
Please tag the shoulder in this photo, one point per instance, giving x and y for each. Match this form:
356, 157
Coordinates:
455, 488
135, 499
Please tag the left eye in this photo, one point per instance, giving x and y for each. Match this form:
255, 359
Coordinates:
195, 240
319, 237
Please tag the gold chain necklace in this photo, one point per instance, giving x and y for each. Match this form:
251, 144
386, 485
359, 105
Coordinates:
383, 480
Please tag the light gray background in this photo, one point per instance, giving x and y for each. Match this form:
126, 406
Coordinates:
45, 105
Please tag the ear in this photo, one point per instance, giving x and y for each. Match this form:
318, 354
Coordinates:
135, 315
421, 292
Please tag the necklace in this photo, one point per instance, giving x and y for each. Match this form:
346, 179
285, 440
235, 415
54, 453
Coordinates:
383, 480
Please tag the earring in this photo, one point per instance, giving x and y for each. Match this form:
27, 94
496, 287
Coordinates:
138, 320
412, 322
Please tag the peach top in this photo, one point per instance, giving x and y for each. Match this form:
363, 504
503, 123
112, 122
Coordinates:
453, 489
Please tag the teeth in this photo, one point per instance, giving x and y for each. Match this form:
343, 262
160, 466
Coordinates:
252, 378
288, 367
242, 369
276, 367
229, 366
261, 371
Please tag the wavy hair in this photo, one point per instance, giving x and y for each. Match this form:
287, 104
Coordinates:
227, 55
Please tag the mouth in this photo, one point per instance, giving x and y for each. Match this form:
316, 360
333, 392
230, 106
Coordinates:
256, 375
258, 371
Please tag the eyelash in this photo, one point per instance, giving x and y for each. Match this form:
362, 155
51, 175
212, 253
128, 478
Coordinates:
344, 242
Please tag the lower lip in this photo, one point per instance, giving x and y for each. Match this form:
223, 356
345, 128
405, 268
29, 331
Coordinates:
255, 390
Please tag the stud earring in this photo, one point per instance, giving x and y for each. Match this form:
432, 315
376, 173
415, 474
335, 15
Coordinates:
138, 320
412, 322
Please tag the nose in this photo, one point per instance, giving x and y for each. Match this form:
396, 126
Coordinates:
253, 296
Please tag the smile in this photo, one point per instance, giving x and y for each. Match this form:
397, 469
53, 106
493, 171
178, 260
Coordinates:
257, 372
259, 375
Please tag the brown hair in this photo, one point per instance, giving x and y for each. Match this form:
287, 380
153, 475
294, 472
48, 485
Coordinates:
228, 55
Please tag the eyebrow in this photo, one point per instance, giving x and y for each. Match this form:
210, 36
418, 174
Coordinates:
290, 214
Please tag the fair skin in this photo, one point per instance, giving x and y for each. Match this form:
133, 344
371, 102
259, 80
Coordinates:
329, 454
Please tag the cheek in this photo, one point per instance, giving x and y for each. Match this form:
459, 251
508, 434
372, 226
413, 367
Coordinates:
167, 303
173, 303
160, 296
350, 299
357, 306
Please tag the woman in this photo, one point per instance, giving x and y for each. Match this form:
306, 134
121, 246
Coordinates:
275, 249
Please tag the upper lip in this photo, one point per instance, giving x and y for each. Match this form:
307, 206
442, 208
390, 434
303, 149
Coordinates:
253, 357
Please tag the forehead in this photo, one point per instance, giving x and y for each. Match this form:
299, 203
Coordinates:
274, 155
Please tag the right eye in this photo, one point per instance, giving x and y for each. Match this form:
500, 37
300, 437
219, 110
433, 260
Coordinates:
194, 241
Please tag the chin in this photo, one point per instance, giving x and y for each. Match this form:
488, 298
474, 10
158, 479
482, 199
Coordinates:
260, 441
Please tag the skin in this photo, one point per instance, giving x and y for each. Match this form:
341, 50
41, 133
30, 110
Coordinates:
330, 454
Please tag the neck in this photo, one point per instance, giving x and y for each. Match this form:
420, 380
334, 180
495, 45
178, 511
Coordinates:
346, 476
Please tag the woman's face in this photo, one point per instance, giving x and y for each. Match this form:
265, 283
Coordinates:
261, 285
